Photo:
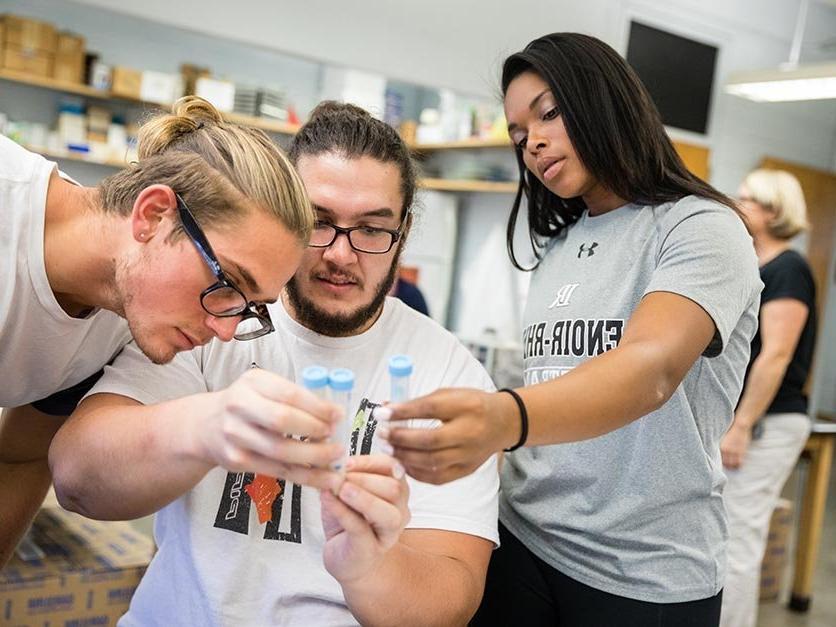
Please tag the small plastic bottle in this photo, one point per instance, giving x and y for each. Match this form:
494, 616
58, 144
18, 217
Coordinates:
315, 379
341, 382
400, 370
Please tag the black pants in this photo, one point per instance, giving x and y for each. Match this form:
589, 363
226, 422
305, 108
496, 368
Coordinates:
522, 590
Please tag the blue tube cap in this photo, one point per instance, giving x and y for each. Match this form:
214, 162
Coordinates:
341, 379
315, 377
400, 365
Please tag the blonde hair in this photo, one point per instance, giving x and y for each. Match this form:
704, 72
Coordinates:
781, 192
222, 170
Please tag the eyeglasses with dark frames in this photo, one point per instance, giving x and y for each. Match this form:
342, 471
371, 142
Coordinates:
363, 239
224, 299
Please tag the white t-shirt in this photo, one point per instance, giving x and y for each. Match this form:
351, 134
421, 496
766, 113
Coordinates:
42, 348
216, 564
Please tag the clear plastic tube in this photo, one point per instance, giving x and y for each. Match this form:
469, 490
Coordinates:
341, 384
315, 379
400, 371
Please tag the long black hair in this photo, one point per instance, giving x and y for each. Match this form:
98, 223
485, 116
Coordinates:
614, 127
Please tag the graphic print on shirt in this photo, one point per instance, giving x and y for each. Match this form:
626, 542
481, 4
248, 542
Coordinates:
564, 294
579, 337
242, 489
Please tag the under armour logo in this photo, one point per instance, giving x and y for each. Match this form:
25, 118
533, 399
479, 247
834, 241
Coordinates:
563, 295
589, 250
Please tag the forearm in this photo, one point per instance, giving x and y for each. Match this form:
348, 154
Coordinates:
599, 396
122, 462
23, 487
413, 587
764, 379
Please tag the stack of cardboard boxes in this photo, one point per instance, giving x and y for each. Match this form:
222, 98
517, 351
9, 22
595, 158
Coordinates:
38, 49
77, 572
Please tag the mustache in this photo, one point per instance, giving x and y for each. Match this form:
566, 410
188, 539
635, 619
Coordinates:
333, 273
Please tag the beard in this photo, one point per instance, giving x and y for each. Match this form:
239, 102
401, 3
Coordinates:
320, 321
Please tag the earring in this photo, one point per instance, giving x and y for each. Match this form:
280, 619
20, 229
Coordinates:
142, 235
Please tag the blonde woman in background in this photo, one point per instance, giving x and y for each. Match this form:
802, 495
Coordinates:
770, 423
87, 268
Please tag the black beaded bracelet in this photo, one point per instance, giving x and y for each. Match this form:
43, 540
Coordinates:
523, 420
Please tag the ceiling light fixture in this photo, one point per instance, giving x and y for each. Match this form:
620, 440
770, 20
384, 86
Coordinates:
790, 81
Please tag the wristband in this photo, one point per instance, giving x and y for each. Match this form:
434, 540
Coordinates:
523, 420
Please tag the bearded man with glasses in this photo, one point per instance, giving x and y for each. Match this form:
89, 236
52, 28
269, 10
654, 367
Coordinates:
244, 536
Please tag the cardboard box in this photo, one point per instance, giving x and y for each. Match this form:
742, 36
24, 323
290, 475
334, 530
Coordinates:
36, 62
86, 576
30, 35
70, 43
69, 68
69, 58
775, 554
126, 82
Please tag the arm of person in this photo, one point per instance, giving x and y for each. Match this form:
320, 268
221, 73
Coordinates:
704, 287
781, 323
662, 340
25, 434
116, 458
392, 576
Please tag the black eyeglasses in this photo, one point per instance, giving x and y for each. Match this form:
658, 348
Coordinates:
364, 239
223, 299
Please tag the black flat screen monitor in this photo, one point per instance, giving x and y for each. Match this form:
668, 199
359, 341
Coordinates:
678, 73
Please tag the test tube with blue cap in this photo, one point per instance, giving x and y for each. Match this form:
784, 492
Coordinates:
341, 382
400, 371
315, 379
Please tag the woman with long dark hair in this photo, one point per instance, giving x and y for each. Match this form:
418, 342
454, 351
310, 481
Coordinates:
636, 336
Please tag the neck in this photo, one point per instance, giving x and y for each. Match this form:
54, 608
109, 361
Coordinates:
768, 247
80, 243
600, 201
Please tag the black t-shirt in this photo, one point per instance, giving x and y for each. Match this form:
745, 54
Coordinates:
789, 276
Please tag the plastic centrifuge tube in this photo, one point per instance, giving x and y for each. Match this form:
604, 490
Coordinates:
315, 379
341, 382
400, 370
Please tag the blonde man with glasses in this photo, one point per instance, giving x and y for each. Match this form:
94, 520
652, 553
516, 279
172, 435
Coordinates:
88, 268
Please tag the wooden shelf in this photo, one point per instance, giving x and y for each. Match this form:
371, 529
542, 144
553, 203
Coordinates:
463, 144
77, 89
455, 185
444, 185
70, 155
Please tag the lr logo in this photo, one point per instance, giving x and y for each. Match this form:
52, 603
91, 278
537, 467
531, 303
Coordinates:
563, 295
588, 249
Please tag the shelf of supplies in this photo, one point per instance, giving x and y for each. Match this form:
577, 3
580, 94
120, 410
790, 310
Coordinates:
444, 185
70, 155
472, 143
456, 185
77, 89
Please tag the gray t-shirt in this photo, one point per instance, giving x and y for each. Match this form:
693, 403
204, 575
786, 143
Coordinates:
637, 512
